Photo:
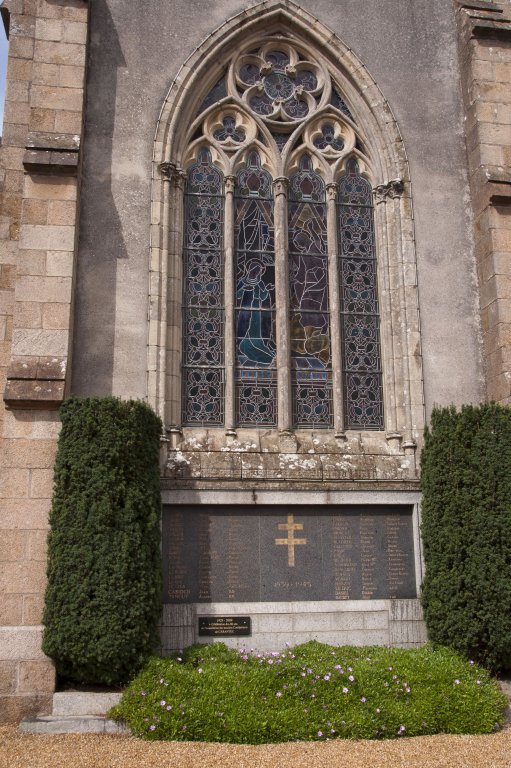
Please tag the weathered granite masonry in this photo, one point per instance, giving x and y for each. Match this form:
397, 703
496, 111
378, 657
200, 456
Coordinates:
485, 56
305, 460
39, 164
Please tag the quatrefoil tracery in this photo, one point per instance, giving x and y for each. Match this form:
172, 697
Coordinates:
279, 101
277, 84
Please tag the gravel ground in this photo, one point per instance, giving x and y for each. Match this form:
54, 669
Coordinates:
90, 751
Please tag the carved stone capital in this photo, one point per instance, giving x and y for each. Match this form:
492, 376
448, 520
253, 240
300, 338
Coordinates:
230, 183
389, 190
331, 191
170, 172
280, 185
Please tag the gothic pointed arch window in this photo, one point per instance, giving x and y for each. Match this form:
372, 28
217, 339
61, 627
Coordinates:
280, 311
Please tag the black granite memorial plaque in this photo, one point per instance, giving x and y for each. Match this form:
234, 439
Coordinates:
242, 554
224, 626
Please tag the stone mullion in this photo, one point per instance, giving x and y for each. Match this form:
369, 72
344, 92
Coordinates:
173, 279
229, 317
335, 310
285, 410
409, 443
388, 321
400, 425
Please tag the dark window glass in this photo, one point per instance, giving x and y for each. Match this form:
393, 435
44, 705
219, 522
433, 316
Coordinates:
203, 314
363, 390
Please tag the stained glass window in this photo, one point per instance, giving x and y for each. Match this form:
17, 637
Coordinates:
309, 306
268, 110
256, 344
229, 131
338, 102
203, 315
217, 92
329, 139
363, 391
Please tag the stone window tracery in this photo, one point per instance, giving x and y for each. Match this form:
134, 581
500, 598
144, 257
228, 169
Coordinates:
280, 299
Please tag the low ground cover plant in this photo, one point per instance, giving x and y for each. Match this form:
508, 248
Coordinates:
310, 692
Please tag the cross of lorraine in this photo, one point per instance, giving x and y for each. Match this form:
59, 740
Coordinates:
290, 542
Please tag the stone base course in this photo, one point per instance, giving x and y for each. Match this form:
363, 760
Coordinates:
77, 712
82, 724
27, 676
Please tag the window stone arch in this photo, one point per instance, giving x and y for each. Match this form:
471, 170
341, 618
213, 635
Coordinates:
233, 100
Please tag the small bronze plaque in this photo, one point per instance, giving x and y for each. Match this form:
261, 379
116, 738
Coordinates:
224, 626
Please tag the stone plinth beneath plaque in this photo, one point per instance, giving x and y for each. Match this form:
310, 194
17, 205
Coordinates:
341, 622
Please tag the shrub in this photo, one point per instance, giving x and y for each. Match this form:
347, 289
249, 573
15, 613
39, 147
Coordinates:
311, 692
466, 531
103, 596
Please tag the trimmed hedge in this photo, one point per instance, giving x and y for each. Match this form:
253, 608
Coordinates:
466, 532
103, 597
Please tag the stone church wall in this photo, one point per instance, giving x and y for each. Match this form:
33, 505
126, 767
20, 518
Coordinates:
485, 56
39, 160
410, 49
81, 292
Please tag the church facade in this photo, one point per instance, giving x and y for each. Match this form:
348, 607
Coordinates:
286, 226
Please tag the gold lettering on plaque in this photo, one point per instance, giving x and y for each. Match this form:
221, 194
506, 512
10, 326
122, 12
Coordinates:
290, 542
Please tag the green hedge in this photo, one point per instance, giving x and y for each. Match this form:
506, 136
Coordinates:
466, 532
103, 597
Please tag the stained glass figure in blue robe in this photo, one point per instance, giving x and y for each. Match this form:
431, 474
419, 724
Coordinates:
255, 296
308, 287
